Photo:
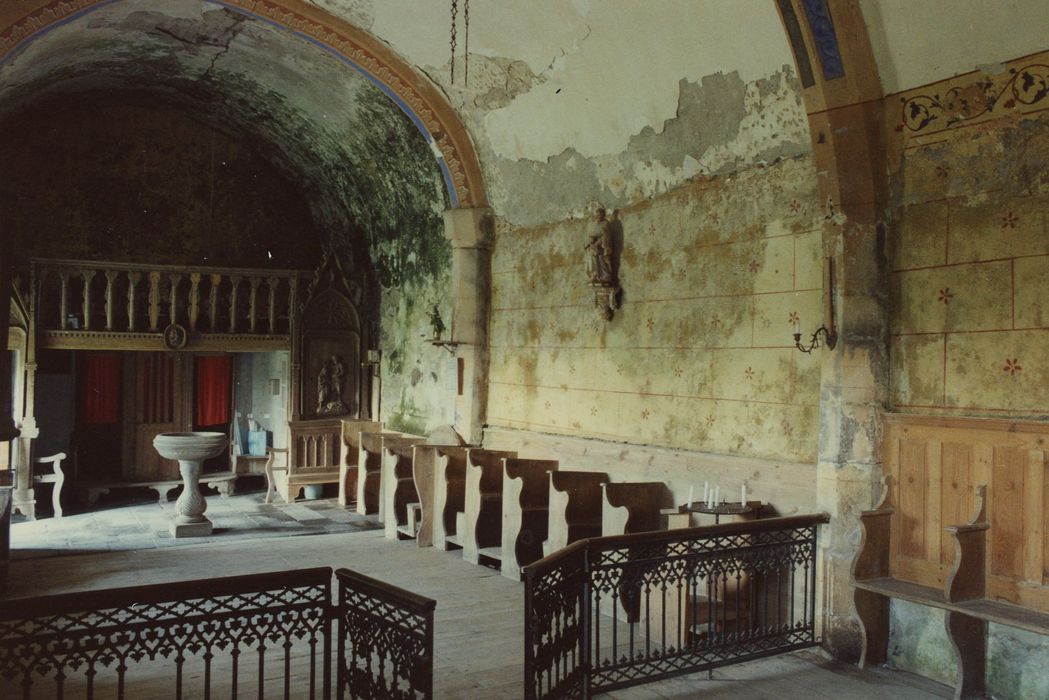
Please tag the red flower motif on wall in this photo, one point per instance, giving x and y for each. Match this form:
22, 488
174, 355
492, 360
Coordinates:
593, 410
716, 321
788, 429
795, 207
943, 170
645, 413
946, 295
748, 373
1012, 366
715, 217
793, 318
651, 325
711, 420
754, 266
1009, 220
679, 372
547, 405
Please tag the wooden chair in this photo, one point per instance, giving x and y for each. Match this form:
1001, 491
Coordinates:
526, 512
56, 477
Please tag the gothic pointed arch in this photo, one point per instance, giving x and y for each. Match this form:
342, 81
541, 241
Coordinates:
407, 88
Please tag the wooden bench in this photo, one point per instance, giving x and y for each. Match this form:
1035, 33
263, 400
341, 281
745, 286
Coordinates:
369, 471
349, 454
526, 512
963, 598
398, 493
313, 456
575, 508
633, 507
449, 494
482, 522
223, 482
432, 466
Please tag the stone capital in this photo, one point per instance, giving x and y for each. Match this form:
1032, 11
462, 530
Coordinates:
469, 228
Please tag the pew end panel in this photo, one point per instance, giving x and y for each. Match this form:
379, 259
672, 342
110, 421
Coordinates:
431, 466
348, 450
482, 505
395, 480
630, 507
526, 508
575, 508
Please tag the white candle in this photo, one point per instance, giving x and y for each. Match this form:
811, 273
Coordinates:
706, 491
690, 496
743, 494
797, 326
717, 495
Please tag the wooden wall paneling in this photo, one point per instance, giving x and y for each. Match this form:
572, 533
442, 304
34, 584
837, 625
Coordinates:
914, 483
1007, 515
1034, 513
955, 493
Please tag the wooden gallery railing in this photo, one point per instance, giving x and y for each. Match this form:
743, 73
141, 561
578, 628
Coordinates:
87, 305
612, 612
264, 635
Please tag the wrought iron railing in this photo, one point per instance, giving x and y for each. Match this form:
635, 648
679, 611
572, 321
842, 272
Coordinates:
264, 635
385, 640
612, 612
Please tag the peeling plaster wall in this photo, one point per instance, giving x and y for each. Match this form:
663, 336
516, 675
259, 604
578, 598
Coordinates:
564, 109
969, 243
701, 355
917, 43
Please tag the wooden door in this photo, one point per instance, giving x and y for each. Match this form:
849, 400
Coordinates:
155, 404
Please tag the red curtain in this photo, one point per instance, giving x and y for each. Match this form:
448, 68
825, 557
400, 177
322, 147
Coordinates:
100, 389
214, 375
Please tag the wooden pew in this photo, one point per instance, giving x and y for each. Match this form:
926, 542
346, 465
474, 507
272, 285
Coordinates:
349, 447
526, 512
398, 485
449, 494
313, 456
432, 467
628, 508
369, 471
633, 507
575, 508
482, 506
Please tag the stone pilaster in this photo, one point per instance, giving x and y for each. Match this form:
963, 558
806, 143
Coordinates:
470, 232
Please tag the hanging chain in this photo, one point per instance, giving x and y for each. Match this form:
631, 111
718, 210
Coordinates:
455, 13
466, 48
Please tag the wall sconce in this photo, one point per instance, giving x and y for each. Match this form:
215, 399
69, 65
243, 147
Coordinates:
830, 333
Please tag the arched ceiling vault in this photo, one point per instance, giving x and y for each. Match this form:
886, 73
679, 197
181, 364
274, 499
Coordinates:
362, 156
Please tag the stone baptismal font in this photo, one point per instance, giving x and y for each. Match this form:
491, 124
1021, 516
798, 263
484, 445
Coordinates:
190, 449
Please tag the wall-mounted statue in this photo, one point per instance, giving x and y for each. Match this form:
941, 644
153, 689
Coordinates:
436, 324
330, 383
601, 263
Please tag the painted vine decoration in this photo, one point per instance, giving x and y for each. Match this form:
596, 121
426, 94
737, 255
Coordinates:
1026, 86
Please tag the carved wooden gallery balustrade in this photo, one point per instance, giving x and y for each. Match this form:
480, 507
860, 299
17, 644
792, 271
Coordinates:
611, 612
130, 306
263, 635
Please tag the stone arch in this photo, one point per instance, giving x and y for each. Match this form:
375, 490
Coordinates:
422, 102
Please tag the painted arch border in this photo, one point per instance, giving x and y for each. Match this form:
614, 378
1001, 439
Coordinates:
419, 99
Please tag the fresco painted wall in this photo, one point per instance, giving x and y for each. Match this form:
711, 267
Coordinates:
970, 280
701, 355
